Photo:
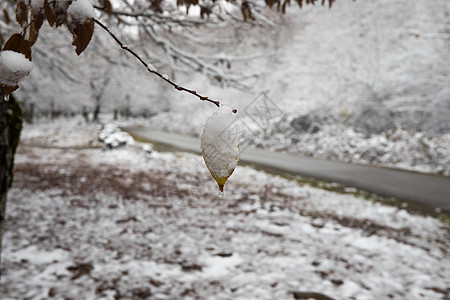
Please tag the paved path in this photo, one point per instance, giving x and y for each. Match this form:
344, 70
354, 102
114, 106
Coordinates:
430, 190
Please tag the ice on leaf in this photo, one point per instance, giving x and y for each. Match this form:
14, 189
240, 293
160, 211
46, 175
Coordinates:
219, 145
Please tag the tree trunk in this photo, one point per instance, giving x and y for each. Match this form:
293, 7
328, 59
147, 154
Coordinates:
96, 110
10, 127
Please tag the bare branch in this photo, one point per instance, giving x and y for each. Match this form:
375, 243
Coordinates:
151, 69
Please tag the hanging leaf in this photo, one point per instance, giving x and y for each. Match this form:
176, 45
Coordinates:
36, 23
13, 67
219, 144
18, 44
107, 6
82, 35
9, 89
50, 14
22, 13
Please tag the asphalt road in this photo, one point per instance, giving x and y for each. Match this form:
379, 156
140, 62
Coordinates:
427, 190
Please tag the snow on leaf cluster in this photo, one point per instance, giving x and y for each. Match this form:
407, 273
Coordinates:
13, 67
80, 11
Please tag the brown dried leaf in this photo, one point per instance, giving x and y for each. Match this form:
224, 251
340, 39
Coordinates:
18, 44
9, 89
33, 35
22, 13
34, 27
50, 14
107, 6
82, 35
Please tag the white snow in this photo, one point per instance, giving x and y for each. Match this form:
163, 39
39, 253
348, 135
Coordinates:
113, 137
154, 223
80, 11
36, 6
219, 144
13, 67
40, 256
217, 266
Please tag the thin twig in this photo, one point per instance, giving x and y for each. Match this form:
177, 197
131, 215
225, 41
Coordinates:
24, 30
152, 70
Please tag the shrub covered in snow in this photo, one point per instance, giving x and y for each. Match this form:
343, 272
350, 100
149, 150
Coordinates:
113, 137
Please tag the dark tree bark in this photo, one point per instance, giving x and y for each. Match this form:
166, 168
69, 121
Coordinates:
10, 127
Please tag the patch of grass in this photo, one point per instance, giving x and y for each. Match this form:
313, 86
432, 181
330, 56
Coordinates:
413, 208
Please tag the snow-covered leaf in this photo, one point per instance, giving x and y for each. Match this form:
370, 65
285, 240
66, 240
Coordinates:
82, 34
17, 43
13, 67
80, 11
80, 23
220, 147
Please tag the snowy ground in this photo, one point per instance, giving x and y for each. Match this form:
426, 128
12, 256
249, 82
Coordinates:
89, 223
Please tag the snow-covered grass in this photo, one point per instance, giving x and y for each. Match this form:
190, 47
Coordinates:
84, 222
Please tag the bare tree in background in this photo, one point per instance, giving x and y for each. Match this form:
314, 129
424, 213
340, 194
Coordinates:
98, 86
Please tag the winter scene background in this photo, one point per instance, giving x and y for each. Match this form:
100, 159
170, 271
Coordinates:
95, 214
